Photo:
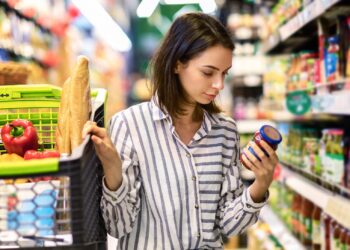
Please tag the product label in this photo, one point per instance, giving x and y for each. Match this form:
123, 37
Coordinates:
298, 102
335, 167
335, 244
316, 232
308, 228
323, 235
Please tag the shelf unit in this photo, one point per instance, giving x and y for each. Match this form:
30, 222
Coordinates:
296, 31
336, 103
35, 55
285, 116
5, 4
330, 104
329, 197
341, 82
279, 230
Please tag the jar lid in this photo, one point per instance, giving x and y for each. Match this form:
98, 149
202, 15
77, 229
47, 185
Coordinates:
270, 134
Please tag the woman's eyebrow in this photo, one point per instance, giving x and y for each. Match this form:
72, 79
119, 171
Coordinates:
215, 68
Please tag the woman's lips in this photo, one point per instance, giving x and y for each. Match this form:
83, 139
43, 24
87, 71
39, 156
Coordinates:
210, 96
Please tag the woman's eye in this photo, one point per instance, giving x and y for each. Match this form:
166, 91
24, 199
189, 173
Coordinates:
207, 73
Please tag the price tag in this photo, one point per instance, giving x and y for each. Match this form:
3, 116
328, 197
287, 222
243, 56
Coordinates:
298, 102
338, 208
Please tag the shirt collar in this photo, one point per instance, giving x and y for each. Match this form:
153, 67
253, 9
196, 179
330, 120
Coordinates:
158, 114
213, 119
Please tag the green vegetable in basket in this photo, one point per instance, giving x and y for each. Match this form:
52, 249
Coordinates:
19, 136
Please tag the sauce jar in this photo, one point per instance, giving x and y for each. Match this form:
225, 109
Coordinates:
268, 134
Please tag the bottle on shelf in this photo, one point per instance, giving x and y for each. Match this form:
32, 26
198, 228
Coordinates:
306, 223
322, 152
348, 240
295, 214
325, 231
343, 235
335, 236
332, 59
316, 228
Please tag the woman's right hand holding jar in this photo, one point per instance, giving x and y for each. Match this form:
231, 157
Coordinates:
260, 157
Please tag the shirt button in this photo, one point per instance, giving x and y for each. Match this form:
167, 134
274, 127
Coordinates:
188, 155
194, 178
196, 206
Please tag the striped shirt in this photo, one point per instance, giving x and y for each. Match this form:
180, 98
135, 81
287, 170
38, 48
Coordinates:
176, 196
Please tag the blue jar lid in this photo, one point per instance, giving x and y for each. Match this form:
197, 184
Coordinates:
267, 128
333, 39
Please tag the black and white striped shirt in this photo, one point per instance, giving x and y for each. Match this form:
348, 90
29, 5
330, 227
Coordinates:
176, 196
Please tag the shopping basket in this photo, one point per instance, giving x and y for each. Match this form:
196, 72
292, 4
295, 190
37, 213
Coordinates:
50, 203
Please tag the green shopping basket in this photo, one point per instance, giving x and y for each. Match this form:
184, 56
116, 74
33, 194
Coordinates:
50, 203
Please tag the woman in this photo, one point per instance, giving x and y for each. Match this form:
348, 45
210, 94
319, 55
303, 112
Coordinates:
171, 165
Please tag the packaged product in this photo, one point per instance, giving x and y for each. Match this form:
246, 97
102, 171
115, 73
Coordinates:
268, 134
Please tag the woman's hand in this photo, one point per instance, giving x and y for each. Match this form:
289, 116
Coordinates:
106, 152
263, 168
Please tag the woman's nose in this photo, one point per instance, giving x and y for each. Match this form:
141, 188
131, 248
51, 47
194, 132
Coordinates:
219, 85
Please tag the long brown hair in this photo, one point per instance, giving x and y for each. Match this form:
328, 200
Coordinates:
188, 36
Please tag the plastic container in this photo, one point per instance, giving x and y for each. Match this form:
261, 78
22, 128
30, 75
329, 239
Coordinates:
50, 202
268, 134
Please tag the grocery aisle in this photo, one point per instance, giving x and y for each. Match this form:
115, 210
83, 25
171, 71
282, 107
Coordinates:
306, 93
291, 70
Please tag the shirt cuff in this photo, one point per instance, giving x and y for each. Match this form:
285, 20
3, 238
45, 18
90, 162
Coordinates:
249, 205
116, 196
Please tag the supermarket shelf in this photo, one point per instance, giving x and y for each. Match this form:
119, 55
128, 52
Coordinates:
305, 187
251, 126
285, 116
5, 4
336, 103
336, 84
333, 199
316, 180
279, 230
32, 57
296, 31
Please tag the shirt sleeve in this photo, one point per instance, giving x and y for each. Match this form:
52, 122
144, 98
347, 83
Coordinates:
120, 208
237, 210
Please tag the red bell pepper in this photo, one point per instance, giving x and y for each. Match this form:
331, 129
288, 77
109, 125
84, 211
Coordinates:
33, 154
19, 136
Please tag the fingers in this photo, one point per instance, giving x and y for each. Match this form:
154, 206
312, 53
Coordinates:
267, 148
252, 158
91, 128
259, 159
248, 163
258, 151
272, 154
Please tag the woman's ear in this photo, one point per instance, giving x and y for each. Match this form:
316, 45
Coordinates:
177, 67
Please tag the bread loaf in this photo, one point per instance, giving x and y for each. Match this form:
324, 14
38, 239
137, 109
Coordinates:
79, 100
63, 131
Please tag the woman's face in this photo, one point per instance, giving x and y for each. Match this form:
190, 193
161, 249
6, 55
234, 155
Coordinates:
203, 76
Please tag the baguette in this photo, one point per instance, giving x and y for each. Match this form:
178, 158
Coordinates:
79, 100
63, 131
